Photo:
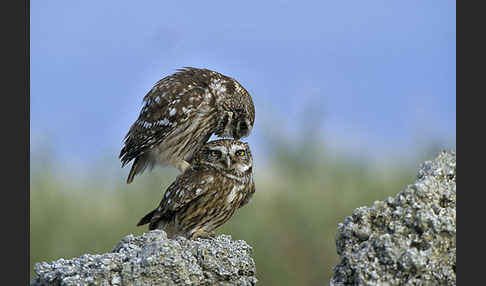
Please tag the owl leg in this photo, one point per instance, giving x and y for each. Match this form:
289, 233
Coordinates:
182, 165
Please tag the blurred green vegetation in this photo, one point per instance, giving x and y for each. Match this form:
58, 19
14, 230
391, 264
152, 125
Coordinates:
302, 194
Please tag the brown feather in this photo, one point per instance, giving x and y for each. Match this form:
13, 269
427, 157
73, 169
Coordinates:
179, 115
207, 194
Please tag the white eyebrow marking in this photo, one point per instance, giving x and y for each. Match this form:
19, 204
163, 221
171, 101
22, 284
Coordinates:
235, 148
221, 149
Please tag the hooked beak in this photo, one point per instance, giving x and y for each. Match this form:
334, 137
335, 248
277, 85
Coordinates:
236, 136
227, 162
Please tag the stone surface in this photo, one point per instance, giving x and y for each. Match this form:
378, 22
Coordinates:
406, 240
152, 259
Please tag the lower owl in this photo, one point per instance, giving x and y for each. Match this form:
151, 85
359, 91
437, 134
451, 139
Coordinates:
207, 194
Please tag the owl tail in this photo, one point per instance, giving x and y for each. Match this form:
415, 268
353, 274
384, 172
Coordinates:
138, 167
147, 218
133, 172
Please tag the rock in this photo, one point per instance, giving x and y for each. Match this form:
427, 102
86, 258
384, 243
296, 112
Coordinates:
406, 240
152, 259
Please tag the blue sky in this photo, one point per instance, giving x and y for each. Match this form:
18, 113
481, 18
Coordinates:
379, 76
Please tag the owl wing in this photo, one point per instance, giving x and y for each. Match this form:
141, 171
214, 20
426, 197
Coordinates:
170, 103
187, 187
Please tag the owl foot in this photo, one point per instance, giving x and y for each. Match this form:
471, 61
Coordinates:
204, 234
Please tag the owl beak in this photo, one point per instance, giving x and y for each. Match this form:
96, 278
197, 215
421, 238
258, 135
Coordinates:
227, 162
236, 135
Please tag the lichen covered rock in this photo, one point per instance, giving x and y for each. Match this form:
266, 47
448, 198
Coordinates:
406, 240
152, 259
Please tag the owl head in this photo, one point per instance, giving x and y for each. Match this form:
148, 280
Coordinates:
238, 112
226, 155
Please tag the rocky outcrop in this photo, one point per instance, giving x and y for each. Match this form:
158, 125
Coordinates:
409, 239
406, 240
152, 259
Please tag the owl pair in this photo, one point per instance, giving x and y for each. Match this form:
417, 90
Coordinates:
180, 114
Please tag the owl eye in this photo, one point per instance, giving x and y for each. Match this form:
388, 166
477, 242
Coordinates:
240, 153
213, 153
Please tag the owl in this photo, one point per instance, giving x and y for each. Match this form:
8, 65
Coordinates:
180, 113
207, 194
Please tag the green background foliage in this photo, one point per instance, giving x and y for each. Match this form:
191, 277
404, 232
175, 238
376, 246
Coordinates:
302, 194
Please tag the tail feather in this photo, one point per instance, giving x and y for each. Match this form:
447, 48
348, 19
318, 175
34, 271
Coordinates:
133, 171
147, 218
123, 151
139, 165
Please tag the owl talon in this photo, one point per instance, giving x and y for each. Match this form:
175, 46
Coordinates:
205, 235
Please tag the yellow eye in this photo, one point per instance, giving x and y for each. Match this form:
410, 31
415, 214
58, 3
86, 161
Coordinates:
213, 153
241, 153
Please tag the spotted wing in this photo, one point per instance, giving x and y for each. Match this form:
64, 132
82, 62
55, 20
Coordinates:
170, 103
187, 187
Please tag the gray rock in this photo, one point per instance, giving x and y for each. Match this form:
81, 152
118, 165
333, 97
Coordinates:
152, 259
406, 240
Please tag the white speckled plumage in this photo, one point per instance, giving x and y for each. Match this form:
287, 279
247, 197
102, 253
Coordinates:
180, 113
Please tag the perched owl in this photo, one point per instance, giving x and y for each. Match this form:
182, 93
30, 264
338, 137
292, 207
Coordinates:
179, 115
206, 195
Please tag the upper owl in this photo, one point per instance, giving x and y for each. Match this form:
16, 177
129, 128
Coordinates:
179, 115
